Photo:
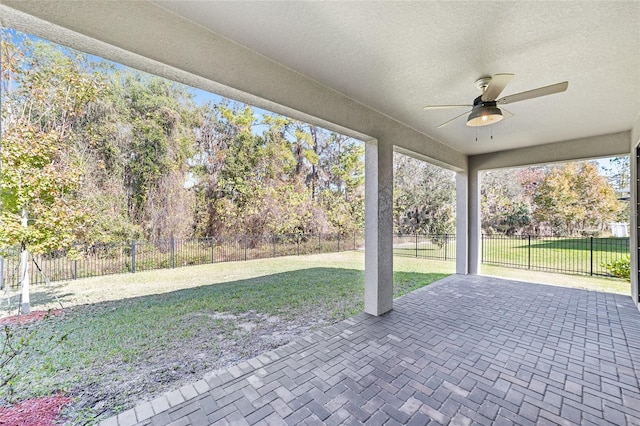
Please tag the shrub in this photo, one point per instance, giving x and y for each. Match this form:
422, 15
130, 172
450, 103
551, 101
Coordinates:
620, 268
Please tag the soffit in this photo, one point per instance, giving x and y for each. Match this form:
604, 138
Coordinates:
396, 57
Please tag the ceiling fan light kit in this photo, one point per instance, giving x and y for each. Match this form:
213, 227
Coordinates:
484, 115
485, 109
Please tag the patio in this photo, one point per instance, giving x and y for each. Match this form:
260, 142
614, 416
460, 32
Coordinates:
465, 350
470, 349
372, 74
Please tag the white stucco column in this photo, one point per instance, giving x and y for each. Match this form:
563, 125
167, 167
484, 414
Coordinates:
474, 224
633, 231
462, 223
378, 220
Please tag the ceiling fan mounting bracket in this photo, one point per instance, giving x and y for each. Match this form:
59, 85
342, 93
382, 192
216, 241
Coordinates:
482, 83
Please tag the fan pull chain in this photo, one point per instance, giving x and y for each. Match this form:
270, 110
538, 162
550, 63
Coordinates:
491, 133
476, 134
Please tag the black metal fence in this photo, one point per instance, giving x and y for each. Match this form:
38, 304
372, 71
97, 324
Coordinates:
569, 255
426, 246
572, 255
105, 259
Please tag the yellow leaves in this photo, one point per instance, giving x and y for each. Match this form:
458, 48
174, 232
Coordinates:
311, 156
40, 182
576, 195
243, 120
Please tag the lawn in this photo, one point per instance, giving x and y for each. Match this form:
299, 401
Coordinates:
577, 255
421, 246
554, 254
128, 337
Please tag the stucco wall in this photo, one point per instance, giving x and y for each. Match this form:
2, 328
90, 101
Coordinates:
575, 149
633, 240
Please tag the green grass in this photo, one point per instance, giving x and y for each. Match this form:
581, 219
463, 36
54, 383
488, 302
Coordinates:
166, 318
555, 254
127, 285
133, 336
569, 255
408, 245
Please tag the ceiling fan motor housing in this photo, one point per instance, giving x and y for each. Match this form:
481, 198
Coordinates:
484, 113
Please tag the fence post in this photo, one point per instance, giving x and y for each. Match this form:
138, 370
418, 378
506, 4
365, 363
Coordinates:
446, 245
173, 253
298, 243
416, 243
354, 239
75, 269
529, 252
213, 246
338, 241
245, 247
1, 273
319, 242
274, 238
133, 256
591, 255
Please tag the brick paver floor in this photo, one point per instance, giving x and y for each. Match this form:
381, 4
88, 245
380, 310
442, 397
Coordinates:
467, 350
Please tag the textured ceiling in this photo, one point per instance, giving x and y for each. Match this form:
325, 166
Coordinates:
397, 57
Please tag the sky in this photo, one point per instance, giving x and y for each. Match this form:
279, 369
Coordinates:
200, 97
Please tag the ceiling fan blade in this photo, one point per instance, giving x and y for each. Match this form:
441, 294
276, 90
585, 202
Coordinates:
506, 113
428, 107
453, 119
535, 93
496, 85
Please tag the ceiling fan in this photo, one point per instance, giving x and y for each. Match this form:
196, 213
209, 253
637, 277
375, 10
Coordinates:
485, 109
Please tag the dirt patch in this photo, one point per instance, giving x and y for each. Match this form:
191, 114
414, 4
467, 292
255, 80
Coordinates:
29, 318
34, 412
243, 337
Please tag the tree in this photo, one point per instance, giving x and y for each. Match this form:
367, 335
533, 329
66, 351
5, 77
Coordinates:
424, 197
37, 182
136, 143
342, 191
507, 199
260, 191
576, 197
618, 173
46, 95
138, 154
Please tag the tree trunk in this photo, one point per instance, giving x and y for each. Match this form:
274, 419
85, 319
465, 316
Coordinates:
24, 271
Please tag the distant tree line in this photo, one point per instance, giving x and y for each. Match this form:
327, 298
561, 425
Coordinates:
96, 152
569, 199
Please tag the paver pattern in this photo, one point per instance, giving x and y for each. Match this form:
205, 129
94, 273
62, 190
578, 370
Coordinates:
467, 350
